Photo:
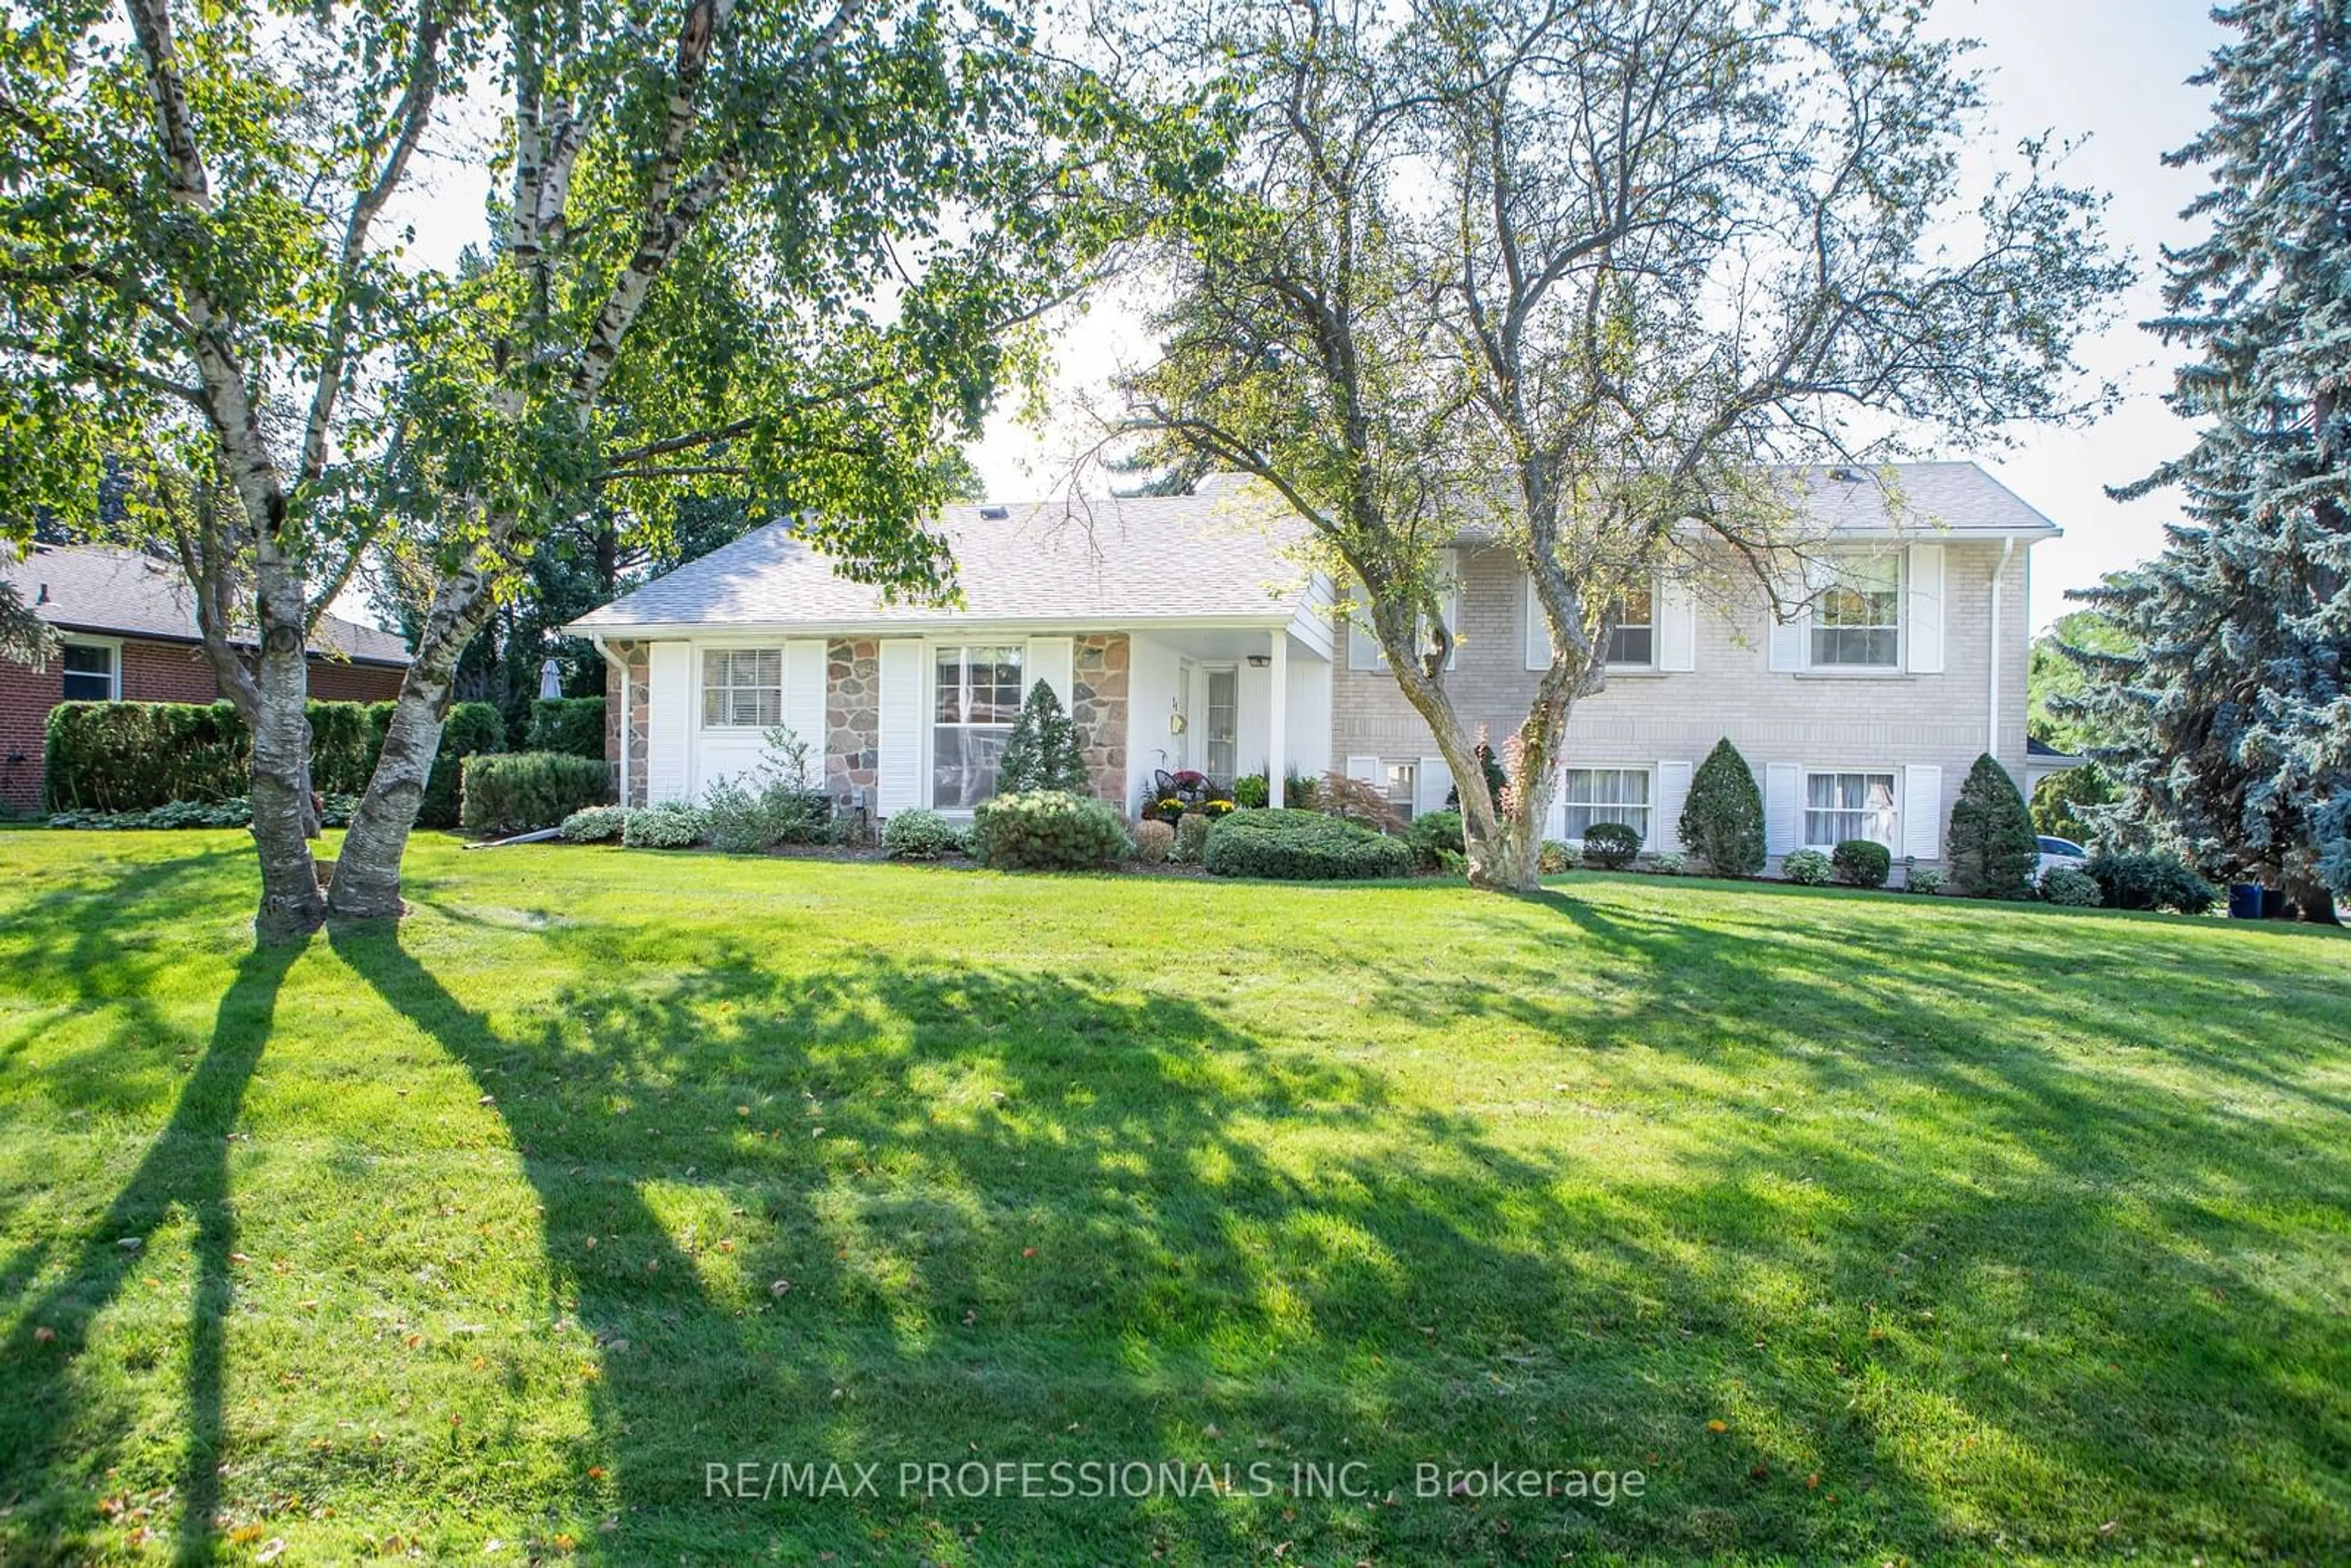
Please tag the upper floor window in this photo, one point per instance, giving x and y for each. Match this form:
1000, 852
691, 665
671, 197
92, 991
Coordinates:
742, 688
90, 672
1635, 639
976, 695
1857, 618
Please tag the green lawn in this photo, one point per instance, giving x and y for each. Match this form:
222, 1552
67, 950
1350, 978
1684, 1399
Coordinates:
1865, 1228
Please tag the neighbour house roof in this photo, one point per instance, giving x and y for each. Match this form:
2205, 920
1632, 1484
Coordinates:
2039, 750
122, 593
1213, 557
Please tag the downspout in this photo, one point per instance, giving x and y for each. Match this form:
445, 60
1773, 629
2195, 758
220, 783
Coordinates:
1992, 723
627, 697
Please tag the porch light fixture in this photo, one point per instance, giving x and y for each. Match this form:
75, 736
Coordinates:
1260, 661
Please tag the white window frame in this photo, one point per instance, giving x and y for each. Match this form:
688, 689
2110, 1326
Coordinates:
727, 650
112, 647
932, 648
1648, 807
1651, 625
1805, 809
1408, 770
1834, 565
1208, 677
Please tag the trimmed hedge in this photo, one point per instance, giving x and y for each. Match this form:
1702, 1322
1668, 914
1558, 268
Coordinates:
136, 757
1611, 844
1046, 830
2150, 881
920, 834
574, 726
1863, 863
1437, 840
516, 791
1302, 846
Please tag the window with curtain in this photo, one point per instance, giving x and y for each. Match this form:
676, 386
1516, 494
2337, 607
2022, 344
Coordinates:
1607, 795
1841, 806
742, 688
1857, 619
976, 695
1634, 640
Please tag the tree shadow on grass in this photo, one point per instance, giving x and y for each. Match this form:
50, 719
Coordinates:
184, 1170
864, 1209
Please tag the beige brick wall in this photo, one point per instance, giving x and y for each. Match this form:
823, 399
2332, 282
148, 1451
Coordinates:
1816, 720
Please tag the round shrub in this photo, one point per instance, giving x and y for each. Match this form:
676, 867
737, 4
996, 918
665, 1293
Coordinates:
2149, 881
1302, 846
594, 824
1863, 863
1435, 839
919, 835
672, 825
1191, 832
1046, 830
1153, 841
1251, 792
1669, 862
1555, 856
2076, 889
1612, 844
1809, 867
1924, 879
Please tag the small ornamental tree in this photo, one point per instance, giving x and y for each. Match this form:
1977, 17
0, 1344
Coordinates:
1992, 848
1041, 752
1723, 820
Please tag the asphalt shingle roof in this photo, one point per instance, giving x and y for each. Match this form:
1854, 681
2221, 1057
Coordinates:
121, 594
1214, 556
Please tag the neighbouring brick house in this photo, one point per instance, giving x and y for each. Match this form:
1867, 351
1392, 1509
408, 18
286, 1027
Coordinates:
127, 626
1181, 633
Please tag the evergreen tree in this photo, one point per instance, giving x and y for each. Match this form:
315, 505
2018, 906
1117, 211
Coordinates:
2072, 803
1041, 752
1723, 820
2236, 719
1992, 848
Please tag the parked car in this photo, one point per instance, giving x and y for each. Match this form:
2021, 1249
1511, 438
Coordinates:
2056, 852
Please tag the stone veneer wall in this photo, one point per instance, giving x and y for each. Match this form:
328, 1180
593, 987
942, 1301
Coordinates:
1098, 704
635, 705
853, 718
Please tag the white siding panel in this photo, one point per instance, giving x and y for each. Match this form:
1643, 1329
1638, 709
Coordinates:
1922, 811
1676, 626
672, 716
1924, 609
1431, 784
1673, 789
1783, 808
898, 784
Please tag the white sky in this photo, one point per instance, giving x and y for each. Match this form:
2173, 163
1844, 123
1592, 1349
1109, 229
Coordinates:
2112, 72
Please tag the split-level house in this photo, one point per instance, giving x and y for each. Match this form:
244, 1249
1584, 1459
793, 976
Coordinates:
1182, 633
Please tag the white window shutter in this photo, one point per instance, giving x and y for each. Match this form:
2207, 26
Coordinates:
898, 780
804, 698
1789, 637
1673, 790
1922, 811
672, 711
1053, 660
1431, 784
1923, 610
1538, 630
1363, 649
1783, 808
1677, 626
1367, 770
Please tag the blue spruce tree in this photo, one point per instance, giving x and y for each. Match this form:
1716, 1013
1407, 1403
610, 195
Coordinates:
2234, 714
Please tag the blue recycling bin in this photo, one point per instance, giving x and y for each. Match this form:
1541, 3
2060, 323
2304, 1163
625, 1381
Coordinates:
2245, 900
